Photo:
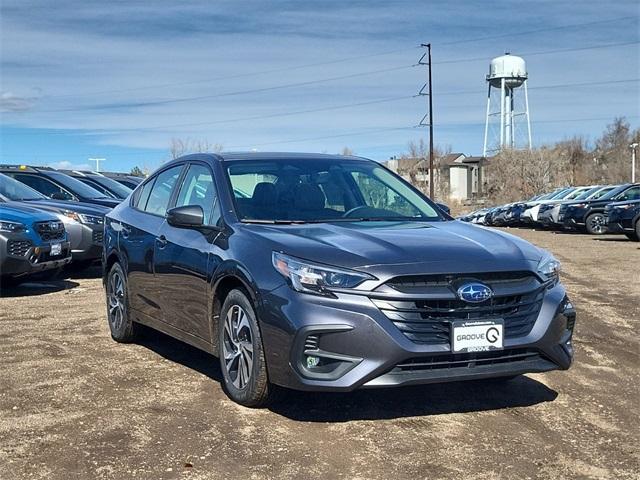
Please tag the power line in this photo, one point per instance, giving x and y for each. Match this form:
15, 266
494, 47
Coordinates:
340, 60
539, 30
321, 109
228, 94
544, 52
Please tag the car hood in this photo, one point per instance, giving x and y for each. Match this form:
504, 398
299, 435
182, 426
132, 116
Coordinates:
19, 212
402, 247
625, 202
60, 205
105, 202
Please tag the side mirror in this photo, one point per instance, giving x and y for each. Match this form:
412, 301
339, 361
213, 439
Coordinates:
58, 196
186, 216
445, 208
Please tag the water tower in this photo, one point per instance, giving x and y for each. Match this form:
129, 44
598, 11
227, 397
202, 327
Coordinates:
507, 74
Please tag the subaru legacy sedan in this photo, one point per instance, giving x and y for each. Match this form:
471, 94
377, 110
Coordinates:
329, 273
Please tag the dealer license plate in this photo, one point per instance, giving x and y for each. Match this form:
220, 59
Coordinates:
470, 336
56, 249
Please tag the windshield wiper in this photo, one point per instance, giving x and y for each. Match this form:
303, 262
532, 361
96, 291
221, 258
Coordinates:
273, 222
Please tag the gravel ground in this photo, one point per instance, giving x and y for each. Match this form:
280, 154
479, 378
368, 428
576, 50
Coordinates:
74, 404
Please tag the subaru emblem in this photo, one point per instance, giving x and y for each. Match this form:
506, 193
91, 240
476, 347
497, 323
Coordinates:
474, 292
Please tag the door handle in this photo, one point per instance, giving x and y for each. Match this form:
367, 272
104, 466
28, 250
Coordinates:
162, 241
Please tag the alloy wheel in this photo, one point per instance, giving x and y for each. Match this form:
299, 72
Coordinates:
596, 223
238, 347
116, 300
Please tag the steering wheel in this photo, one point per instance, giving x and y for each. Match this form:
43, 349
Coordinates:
350, 212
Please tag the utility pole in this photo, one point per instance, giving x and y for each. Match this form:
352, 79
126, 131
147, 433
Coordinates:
97, 160
429, 114
633, 147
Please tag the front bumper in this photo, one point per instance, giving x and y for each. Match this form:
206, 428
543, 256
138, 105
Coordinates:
362, 348
35, 259
86, 241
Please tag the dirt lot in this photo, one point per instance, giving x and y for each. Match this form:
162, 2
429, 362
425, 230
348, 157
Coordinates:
74, 404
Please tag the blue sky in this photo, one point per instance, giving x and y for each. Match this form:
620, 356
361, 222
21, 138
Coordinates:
119, 79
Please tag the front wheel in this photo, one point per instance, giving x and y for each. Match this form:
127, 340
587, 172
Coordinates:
123, 329
595, 224
242, 361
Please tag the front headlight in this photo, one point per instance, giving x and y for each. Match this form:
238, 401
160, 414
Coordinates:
310, 277
84, 218
549, 268
91, 219
13, 227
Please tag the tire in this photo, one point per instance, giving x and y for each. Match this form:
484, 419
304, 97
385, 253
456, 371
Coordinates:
595, 224
637, 230
123, 329
244, 369
634, 237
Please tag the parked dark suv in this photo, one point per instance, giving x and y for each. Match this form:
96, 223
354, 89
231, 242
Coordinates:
332, 274
57, 185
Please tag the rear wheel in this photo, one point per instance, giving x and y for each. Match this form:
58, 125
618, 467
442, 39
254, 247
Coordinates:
595, 224
637, 230
242, 361
123, 329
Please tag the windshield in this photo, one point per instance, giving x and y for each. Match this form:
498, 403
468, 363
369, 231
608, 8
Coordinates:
76, 186
613, 192
17, 191
115, 187
587, 193
562, 194
601, 193
323, 190
576, 193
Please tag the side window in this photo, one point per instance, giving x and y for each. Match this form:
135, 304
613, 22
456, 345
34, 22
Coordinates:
44, 186
632, 193
161, 191
141, 196
198, 188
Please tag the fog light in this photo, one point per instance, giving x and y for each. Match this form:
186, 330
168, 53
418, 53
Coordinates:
312, 361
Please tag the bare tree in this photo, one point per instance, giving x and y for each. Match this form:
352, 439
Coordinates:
183, 146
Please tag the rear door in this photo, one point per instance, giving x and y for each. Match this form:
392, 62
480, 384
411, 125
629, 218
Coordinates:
184, 257
140, 228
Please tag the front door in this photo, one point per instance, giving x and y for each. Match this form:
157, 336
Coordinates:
185, 257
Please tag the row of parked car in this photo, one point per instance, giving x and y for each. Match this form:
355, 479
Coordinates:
595, 209
50, 218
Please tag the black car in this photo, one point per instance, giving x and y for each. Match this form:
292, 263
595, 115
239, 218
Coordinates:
57, 185
624, 217
334, 274
130, 181
107, 186
84, 222
589, 214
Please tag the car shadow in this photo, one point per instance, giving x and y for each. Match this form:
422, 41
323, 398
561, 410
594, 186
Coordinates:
30, 288
611, 239
422, 400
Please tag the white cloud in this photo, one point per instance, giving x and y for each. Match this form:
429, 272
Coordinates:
66, 165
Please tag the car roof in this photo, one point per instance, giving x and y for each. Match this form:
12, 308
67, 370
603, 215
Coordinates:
232, 156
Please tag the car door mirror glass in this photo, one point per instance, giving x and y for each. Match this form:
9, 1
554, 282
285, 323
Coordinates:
188, 216
59, 196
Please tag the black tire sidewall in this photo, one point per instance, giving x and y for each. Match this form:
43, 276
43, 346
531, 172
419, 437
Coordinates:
253, 394
587, 226
126, 331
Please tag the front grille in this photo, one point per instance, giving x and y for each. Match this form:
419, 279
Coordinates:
98, 236
18, 248
431, 305
466, 360
50, 230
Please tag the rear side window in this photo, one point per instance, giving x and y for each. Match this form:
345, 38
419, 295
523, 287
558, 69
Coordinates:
141, 196
162, 190
198, 188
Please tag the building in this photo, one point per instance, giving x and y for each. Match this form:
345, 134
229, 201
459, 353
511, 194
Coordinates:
457, 177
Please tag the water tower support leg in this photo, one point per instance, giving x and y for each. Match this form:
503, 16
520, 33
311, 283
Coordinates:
526, 109
502, 112
486, 124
